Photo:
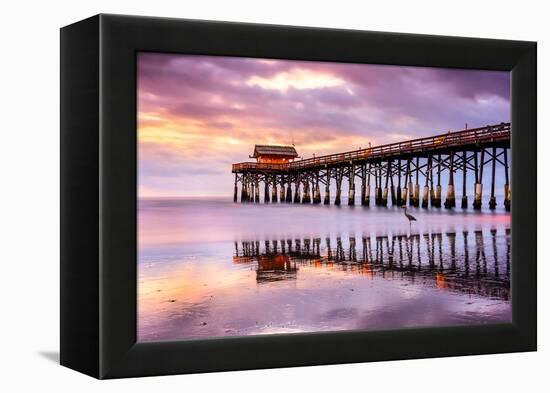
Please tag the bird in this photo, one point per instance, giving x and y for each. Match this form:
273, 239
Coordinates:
410, 217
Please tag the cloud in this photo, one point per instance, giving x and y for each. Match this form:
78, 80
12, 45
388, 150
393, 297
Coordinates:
212, 109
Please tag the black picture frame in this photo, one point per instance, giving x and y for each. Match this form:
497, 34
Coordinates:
98, 195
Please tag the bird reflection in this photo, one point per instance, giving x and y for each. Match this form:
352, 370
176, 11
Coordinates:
439, 259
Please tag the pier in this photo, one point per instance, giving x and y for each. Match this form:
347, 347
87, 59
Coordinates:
392, 173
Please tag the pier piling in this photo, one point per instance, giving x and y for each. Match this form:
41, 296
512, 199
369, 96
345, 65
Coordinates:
351, 191
464, 203
274, 191
235, 190
506, 181
289, 191
280, 171
398, 200
492, 200
426, 191
327, 189
317, 192
450, 197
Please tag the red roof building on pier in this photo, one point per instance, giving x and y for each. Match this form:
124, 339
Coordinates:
271, 154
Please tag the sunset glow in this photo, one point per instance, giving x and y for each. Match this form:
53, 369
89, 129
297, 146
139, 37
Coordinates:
199, 114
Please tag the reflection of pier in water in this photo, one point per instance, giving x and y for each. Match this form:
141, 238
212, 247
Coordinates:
469, 262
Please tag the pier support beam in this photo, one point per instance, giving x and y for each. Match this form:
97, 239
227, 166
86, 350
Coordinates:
367, 188
492, 200
289, 191
464, 203
317, 192
243, 190
297, 189
235, 190
450, 201
410, 185
307, 196
398, 200
274, 190
384, 201
363, 183
351, 191
266, 191
392, 188
338, 186
327, 189
416, 197
426, 191
378, 184
405, 192
282, 198
425, 196
478, 187
436, 202
506, 183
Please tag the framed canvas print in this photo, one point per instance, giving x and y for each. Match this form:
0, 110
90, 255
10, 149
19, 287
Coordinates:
239, 196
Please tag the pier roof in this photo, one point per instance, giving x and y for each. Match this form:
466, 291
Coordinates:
274, 150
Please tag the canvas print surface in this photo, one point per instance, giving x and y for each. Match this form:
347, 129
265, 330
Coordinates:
279, 196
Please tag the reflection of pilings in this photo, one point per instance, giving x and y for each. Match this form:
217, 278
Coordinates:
339, 250
495, 252
329, 249
466, 254
508, 253
429, 249
408, 256
352, 251
452, 245
481, 260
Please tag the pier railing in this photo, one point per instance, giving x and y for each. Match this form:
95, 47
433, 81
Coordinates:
474, 136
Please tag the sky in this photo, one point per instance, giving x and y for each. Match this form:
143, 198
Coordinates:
197, 115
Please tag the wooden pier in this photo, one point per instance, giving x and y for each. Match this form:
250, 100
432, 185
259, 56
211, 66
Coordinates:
391, 173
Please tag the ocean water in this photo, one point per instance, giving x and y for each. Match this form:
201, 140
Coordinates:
211, 268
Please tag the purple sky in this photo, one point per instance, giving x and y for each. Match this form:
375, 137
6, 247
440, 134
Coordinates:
199, 114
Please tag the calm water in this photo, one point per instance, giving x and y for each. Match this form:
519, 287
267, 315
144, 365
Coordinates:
214, 268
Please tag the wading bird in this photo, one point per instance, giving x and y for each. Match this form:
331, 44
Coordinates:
409, 216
